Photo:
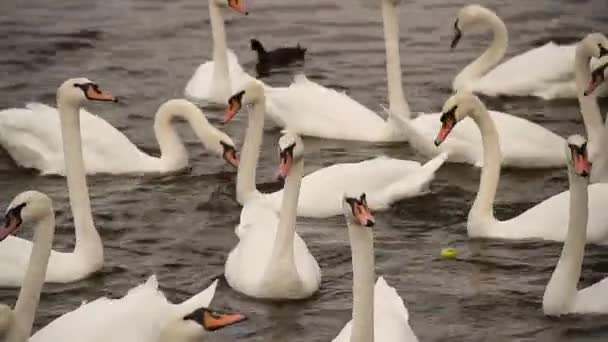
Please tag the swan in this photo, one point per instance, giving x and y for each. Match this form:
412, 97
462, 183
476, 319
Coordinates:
32, 137
87, 256
561, 294
544, 72
386, 180
378, 311
270, 260
213, 82
546, 220
143, 315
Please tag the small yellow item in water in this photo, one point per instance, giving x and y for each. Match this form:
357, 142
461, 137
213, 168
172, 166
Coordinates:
448, 253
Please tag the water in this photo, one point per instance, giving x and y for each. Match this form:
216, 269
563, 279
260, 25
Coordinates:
181, 226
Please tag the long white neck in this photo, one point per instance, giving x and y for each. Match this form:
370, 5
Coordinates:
29, 296
174, 154
220, 79
561, 290
245, 183
88, 247
490, 173
281, 275
362, 249
397, 103
490, 58
590, 110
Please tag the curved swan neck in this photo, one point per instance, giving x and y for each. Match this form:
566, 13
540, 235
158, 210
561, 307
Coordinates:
590, 110
221, 74
88, 245
362, 249
29, 296
173, 152
397, 103
245, 183
562, 288
490, 172
488, 60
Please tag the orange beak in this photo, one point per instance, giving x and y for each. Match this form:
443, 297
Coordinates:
582, 166
94, 93
363, 214
214, 321
444, 131
238, 5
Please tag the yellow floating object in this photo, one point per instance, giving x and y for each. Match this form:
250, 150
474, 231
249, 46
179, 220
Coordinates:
449, 253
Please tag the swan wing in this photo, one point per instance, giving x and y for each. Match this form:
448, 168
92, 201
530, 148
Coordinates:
545, 71
592, 299
310, 109
139, 317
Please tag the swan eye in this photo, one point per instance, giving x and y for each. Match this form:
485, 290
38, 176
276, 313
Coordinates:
603, 50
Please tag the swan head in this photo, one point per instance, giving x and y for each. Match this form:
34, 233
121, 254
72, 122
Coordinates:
468, 17
194, 326
356, 210
598, 76
291, 151
77, 91
221, 144
6, 318
237, 5
28, 206
455, 109
576, 152
594, 45
252, 94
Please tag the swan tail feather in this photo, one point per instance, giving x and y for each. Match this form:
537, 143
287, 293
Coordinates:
202, 299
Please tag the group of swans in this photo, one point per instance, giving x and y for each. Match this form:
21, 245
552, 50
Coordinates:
143, 315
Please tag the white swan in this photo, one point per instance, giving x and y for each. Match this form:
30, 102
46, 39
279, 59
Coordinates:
32, 137
87, 256
547, 220
561, 295
271, 261
544, 72
213, 82
143, 315
385, 180
378, 312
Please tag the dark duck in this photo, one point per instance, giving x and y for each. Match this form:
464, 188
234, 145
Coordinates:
276, 58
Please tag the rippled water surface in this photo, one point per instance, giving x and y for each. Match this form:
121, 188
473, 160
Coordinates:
181, 227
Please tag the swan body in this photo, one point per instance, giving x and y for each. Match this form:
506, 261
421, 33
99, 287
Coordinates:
310, 109
32, 136
386, 180
591, 112
547, 220
270, 260
87, 256
545, 72
213, 82
378, 311
561, 294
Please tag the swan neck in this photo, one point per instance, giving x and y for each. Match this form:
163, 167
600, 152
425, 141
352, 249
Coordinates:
396, 97
362, 249
221, 77
173, 153
283, 243
29, 295
561, 289
88, 245
490, 172
589, 107
245, 185
491, 56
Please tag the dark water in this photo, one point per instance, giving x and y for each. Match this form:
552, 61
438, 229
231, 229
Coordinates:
181, 227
